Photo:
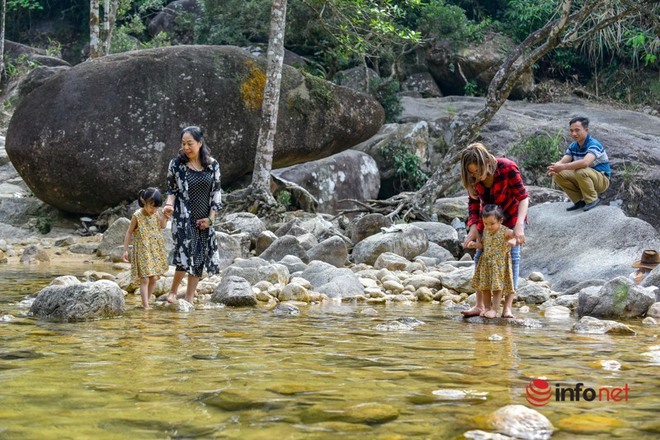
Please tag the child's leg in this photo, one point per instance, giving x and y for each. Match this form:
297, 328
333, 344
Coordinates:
144, 292
495, 304
191, 288
478, 308
152, 285
178, 276
508, 306
487, 301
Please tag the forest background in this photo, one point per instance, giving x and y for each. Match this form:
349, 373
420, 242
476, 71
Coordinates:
618, 64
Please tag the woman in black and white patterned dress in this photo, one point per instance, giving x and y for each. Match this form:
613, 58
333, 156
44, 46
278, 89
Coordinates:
193, 196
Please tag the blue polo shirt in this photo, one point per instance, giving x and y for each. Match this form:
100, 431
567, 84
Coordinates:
591, 145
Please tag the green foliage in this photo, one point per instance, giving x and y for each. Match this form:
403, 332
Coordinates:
630, 174
284, 198
386, 91
406, 165
30, 5
234, 22
20, 66
471, 88
535, 153
437, 19
525, 16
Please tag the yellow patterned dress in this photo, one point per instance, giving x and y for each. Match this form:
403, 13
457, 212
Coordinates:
149, 255
493, 271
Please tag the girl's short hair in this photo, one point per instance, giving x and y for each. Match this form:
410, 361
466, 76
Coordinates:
152, 195
204, 152
494, 211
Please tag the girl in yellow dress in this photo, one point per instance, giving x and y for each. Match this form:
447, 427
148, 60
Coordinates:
149, 260
493, 274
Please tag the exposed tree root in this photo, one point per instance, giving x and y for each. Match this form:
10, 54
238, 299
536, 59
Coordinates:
255, 201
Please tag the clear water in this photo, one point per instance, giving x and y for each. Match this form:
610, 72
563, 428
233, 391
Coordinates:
248, 374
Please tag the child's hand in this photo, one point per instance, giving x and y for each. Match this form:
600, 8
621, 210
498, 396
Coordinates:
512, 242
126, 257
472, 245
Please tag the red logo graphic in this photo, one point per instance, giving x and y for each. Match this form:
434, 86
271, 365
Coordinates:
538, 392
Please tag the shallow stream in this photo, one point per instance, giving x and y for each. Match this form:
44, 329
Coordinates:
249, 374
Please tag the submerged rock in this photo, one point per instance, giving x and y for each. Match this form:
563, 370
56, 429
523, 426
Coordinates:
79, 302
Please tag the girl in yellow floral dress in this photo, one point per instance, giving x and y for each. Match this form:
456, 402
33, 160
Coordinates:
493, 275
149, 260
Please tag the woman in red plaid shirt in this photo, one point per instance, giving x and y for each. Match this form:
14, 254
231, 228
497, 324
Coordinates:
490, 180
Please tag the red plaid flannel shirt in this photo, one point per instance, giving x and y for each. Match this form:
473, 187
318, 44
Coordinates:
507, 191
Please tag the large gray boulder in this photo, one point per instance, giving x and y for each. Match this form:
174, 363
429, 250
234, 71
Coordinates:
347, 175
571, 247
96, 134
79, 302
477, 63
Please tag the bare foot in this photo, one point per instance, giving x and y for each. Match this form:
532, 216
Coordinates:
171, 297
146, 307
474, 311
490, 314
507, 314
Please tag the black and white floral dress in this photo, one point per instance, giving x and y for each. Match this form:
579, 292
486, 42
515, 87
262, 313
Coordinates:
197, 193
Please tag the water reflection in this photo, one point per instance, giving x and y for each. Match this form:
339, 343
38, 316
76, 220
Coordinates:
225, 373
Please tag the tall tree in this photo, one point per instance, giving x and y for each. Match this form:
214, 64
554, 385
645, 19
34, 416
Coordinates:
94, 30
257, 198
99, 42
263, 162
2, 37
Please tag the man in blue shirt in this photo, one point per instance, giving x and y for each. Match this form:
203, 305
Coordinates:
584, 170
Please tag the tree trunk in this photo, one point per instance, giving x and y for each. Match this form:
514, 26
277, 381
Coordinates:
263, 162
109, 17
2, 38
94, 22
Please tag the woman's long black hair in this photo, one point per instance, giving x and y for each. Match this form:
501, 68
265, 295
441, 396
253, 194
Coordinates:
204, 152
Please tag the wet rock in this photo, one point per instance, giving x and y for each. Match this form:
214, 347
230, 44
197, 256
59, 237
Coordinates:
3, 257
286, 309
521, 422
294, 292
79, 302
407, 241
64, 280
649, 321
557, 313
64, 241
592, 325
364, 413
234, 400
588, 423
234, 291
654, 310
34, 255
618, 298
